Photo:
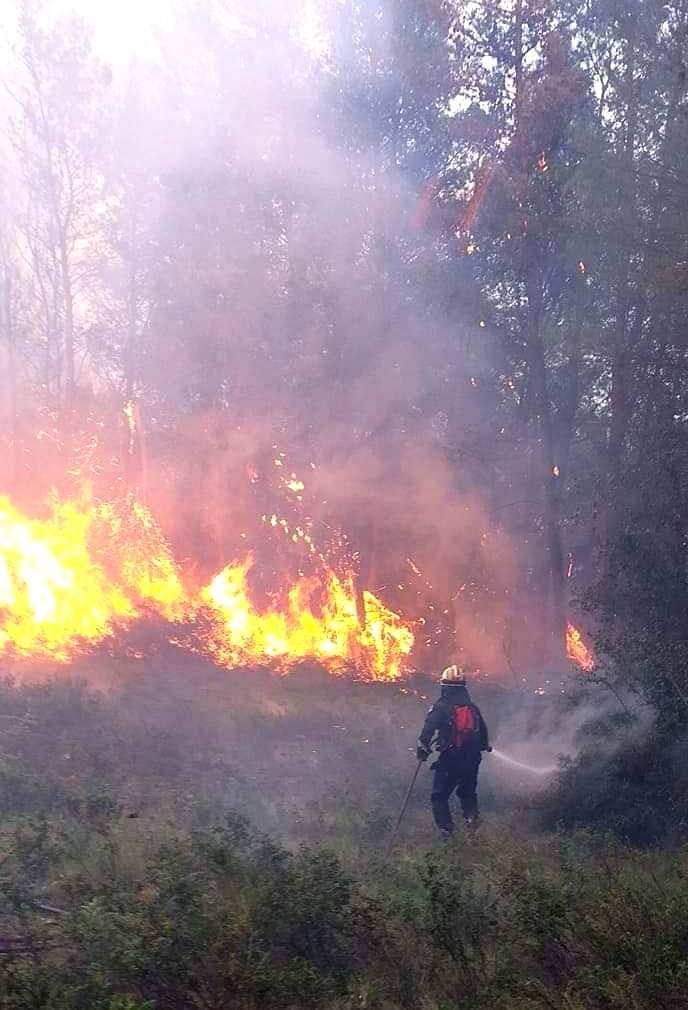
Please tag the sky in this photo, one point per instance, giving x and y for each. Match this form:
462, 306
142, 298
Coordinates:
124, 28
129, 28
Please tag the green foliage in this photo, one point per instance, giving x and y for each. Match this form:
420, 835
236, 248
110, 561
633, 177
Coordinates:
188, 905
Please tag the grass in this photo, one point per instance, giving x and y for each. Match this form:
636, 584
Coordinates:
159, 850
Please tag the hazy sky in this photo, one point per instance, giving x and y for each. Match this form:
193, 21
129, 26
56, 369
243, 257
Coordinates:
126, 28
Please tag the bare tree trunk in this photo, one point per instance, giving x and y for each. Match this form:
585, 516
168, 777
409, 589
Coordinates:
132, 330
569, 408
549, 467
68, 302
142, 456
518, 64
620, 363
135, 465
11, 337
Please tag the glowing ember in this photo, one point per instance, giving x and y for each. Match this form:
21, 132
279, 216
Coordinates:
577, 650
73, 579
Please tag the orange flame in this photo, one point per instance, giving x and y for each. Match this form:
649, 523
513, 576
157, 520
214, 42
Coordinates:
577, 650
58, 590
319, 618
69, 581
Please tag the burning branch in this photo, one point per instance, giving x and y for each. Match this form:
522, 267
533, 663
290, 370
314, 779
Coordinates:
577, 650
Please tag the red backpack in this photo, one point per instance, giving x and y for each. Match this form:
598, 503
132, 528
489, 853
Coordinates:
464, 725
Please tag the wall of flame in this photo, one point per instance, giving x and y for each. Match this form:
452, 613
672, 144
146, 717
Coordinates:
87, 570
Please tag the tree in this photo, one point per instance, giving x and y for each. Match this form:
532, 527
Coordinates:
58, 135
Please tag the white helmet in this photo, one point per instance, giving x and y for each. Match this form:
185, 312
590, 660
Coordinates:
453, 676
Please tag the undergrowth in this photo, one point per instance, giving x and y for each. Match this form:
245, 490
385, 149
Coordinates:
129, 882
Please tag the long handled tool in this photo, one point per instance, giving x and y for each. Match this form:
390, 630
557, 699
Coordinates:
403, 809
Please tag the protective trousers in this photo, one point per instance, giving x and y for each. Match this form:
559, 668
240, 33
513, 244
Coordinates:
455, 771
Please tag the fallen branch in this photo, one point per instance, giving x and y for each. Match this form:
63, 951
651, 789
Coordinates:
42, 907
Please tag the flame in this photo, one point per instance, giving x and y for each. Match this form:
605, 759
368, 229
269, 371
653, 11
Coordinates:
577, 650
319, 618
69, 581
143, 559
387, 641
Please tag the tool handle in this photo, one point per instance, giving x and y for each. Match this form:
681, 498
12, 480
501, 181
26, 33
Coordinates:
403, 809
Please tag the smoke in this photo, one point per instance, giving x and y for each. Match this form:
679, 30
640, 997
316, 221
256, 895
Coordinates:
310, 749
291, 207
535, 734
264, 197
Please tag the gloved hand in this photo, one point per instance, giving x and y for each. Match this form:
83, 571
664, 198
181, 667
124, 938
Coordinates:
422, 753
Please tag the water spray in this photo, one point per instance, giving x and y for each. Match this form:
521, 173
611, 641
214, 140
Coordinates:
533, 769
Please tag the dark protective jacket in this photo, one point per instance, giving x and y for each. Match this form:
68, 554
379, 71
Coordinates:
438, 722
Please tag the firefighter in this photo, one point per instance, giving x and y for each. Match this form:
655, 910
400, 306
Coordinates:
455, 726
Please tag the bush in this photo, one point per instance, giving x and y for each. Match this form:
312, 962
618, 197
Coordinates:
185, 905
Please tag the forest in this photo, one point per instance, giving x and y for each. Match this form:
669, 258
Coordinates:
342, 340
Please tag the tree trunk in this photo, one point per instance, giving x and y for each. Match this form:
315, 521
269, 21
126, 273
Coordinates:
135, 465
132, 330
549, 466
620, 363
11, 337
68, 304
518, 64
569, 407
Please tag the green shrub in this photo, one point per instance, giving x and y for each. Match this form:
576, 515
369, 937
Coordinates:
185, 905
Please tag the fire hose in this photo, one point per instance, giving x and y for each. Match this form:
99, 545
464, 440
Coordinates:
533, 769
